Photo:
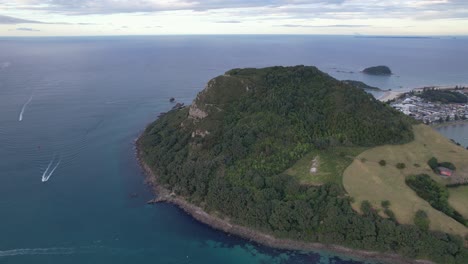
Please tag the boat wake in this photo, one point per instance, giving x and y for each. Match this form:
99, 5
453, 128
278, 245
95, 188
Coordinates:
24, 108
46, 175
36, 251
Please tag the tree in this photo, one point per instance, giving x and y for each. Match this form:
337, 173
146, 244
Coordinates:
433, 163
421, 220
400, 166
385, 204
382, 163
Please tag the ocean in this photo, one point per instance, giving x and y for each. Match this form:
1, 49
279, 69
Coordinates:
82, 101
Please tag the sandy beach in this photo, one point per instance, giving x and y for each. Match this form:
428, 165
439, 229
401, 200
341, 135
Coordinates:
163, 195
389, 95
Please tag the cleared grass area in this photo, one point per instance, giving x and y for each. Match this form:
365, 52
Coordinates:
458, 199
366, 179
331, 164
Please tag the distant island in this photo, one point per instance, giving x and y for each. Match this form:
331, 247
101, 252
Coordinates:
361, 85
293, 158
378, 70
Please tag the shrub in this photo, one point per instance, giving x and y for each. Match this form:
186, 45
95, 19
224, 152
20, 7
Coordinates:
382, 163
390, 214
433, 163
448, 165
401, 166
385, 204
366, 207
421, 220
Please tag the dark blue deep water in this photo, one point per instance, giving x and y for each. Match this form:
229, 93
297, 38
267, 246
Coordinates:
84, 101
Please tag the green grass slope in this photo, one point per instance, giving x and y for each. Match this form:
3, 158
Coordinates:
375, 183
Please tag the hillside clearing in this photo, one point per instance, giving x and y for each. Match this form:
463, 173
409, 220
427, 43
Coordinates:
366, 179
331, 164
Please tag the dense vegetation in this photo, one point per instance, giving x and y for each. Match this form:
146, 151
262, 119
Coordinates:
258, 123
435, 164
421, 220
361, 85
443, 96
434, 193
378, 70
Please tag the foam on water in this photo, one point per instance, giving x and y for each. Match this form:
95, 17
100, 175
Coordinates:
36, 251
24, 108
46, 177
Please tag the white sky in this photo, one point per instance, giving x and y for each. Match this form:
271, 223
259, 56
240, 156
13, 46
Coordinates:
154, 17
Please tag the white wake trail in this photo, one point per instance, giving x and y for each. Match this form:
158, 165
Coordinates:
36, 251
46, 178
48, 167
24, 108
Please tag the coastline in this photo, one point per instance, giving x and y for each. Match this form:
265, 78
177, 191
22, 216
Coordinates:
389, 95
450, 123
163, 195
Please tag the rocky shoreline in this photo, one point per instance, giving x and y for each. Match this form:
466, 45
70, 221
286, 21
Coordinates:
163, 195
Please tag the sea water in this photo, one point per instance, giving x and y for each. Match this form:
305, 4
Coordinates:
71, 190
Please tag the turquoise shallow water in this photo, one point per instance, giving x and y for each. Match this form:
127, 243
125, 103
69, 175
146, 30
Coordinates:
85, 100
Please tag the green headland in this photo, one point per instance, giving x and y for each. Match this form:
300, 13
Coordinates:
292, 155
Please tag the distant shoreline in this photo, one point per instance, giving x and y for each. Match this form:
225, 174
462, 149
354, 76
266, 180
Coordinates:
164, 195
450, 123
390, 95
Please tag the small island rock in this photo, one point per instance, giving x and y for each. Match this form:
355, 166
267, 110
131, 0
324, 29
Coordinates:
378, 70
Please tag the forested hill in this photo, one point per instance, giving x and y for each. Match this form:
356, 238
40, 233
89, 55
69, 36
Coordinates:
310, 104
228, 153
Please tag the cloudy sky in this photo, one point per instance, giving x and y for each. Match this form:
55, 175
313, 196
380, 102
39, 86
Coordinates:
153, 17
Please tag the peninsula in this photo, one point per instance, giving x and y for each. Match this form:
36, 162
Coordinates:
361, 85
262, 153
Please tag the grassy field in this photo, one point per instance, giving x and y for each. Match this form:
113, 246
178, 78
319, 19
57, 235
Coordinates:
458, 199
331, 165
366, 179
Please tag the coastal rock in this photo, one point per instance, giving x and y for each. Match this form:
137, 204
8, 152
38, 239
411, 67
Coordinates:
201, 133
178, 106
172, 100
196, 113
156, 200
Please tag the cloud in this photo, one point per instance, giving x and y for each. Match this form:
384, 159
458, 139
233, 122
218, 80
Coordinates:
229, 21
27, 29
322, 26
236, 11
13, 20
